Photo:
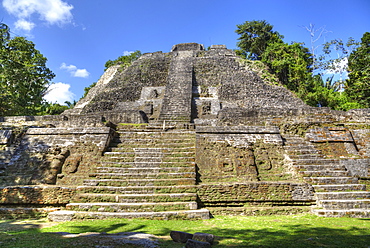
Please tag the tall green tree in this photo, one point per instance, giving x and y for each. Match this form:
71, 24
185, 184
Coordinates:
24, 77
291, 63
358, 85
254, 38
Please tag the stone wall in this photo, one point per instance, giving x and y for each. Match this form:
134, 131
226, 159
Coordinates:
46, 155
37, 195
255, 194
240, 154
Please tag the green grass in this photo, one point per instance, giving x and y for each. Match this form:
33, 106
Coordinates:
231, 231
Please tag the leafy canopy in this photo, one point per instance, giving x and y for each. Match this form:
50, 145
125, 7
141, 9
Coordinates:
294, 65
358, 85
254, 38
24, 77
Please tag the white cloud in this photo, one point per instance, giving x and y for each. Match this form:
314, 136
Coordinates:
68, 67
51, 11
25, 25
81, 73
59, 93
75, 72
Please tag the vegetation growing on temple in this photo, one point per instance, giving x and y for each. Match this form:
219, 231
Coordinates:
305, 71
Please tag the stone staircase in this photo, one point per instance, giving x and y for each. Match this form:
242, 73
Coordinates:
144, 173
177, 100
337, 193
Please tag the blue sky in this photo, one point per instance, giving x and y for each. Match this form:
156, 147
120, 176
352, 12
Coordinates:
79, 36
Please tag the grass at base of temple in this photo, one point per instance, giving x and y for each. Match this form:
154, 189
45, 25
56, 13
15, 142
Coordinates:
302, 230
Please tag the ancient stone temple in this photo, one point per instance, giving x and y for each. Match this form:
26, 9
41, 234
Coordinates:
186, 134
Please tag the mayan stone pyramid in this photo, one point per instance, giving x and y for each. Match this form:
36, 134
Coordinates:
186, 134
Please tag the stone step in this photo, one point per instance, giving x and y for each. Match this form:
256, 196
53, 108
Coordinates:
324, 173
137, 189
60, 216
344, 204
151, 153
152, 140
339, 187
143, 176
299, 147
347, 195
305, 156
149, 145
132, 207
144, 170
123, 153
164, 151
139, 182
294, 139
351, 213
301, 151
331, 180
319, 161
145, 164
314, 167
132, 198
156, 134
147, 159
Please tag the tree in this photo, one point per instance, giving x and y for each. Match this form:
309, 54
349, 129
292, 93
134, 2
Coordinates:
291, 63
254, 38
124, 60
51, 109
358, 85
328, 93
24, 77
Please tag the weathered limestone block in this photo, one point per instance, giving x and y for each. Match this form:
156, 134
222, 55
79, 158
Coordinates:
204, 237
71, 164
50, 176
357, 167
180, 237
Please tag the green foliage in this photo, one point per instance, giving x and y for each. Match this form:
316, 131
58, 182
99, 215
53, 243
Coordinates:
51, 109
327, 94
294, 65
124, 60
254, 38
24, 77
358, 85
291, 63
